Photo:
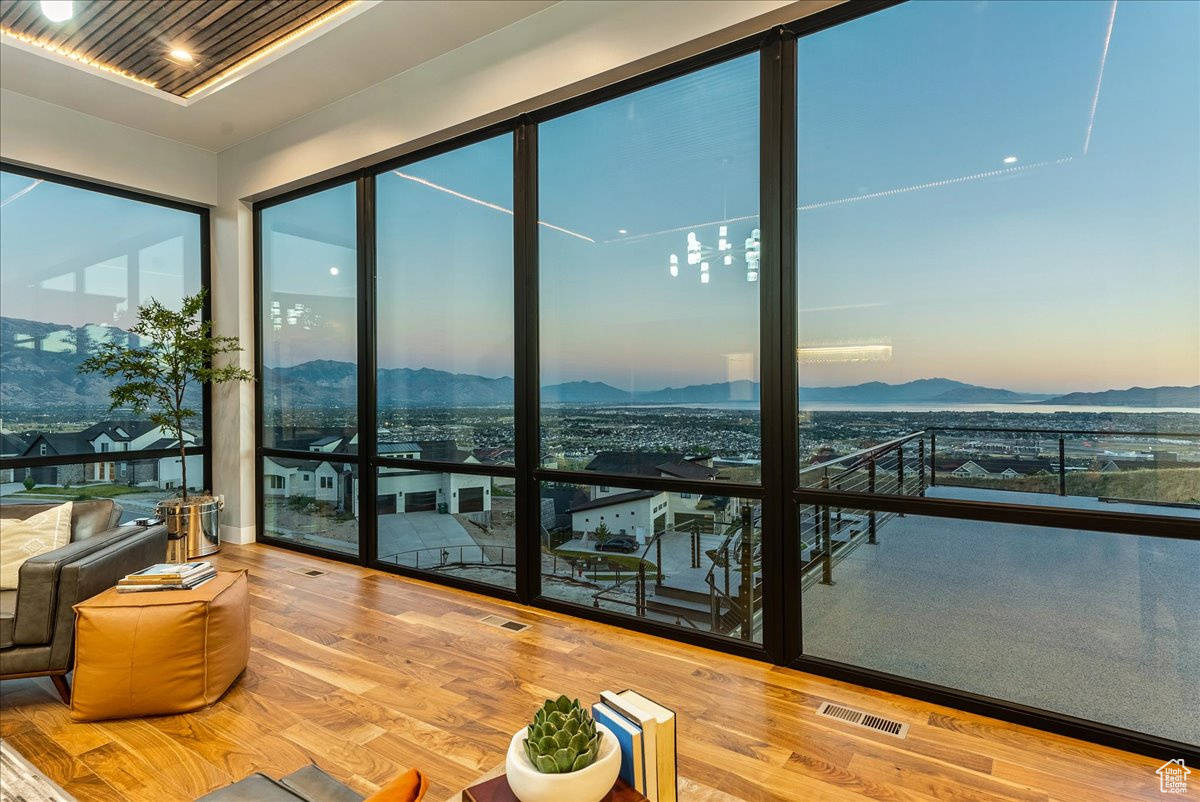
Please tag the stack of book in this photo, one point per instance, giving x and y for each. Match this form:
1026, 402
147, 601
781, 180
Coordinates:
167, 576
646, 732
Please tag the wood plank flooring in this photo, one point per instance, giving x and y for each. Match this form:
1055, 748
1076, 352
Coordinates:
367, 674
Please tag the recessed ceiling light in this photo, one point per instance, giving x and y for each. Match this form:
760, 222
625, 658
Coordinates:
1010, 159
333, 271
58, 10
181, 55
622, 231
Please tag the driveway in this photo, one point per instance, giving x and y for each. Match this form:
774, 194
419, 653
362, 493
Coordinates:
406, 532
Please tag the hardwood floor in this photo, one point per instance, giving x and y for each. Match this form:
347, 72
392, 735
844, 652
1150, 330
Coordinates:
367, 674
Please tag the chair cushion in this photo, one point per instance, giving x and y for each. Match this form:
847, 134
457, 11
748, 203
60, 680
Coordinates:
255, 788
312, 783
408, 787
87, 518
21, 539
8, 611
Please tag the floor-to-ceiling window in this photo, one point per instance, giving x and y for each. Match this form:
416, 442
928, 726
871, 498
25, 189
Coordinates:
998, 272
308, 385
550, 357
445, 493
649, 244
76, 262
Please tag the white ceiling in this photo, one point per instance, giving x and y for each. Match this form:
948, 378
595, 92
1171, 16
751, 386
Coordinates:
365, 46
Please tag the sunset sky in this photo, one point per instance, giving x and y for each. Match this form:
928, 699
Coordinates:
960, 200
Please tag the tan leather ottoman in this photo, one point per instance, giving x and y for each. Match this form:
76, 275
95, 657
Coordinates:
159, 652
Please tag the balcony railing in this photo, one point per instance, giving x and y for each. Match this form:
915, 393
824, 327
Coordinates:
907, 466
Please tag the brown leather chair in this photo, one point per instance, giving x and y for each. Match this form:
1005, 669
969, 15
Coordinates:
37, 622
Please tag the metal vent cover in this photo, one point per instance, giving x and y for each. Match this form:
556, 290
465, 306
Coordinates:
307, 572
503, 623
860, 718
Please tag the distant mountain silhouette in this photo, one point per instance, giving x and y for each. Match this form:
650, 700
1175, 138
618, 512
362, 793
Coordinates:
1188, 397
584, 393
921, 391
40, 360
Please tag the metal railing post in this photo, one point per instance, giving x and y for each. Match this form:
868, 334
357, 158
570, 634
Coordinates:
658, 574
871, 513
933, 459
921, 463
826, 540
695, 545
641, 594
900, 470
1062, 465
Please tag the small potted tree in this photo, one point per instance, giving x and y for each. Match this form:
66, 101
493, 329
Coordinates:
167, 353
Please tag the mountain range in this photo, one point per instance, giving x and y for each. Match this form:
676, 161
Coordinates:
47, 379
326, 383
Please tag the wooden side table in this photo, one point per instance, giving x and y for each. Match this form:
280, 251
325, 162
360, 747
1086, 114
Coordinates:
689, 791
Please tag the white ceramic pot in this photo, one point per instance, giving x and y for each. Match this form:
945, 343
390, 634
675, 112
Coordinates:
585, 785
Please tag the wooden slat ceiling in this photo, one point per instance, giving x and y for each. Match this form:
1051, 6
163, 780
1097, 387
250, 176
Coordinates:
133, 37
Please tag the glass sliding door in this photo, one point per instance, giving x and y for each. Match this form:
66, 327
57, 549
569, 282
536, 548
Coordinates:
444, 354
309, 380
649, 245
999, 301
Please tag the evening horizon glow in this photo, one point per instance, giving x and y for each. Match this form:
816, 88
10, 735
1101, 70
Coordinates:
1037, 234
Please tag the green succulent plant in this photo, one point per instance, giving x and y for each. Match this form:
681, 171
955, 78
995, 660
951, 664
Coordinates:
562, 738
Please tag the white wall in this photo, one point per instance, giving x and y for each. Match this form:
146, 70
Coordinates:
40, 134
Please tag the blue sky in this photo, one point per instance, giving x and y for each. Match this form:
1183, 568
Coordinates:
1063, 268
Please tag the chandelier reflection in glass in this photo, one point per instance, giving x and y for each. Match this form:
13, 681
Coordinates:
700, 254
295, 315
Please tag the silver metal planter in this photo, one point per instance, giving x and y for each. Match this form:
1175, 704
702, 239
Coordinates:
193, 528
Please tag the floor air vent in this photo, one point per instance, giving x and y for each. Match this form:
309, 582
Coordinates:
503, 623
308, 572
866, 720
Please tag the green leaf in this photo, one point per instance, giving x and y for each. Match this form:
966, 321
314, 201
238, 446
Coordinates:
564, 704
582, 762
564, 758
546, 764
579, 743
562, 738
547, 745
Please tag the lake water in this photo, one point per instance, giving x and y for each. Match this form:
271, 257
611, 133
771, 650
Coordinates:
833, 406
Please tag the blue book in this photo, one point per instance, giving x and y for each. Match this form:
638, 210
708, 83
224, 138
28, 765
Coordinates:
629, 736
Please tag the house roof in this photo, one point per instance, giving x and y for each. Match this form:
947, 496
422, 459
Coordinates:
565, 497
611, 501
11, 445
59, 443
119, 430
324, 441
687, 469
1023, 465
397, 448
165, 442
651, 463
299, 464
1141, 464
443, 451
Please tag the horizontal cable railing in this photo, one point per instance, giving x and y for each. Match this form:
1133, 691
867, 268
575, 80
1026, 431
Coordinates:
462, 556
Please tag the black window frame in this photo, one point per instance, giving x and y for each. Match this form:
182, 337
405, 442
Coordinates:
202, 212
779, 494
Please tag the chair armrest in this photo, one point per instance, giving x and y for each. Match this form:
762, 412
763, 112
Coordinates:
38, 590
95, 573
